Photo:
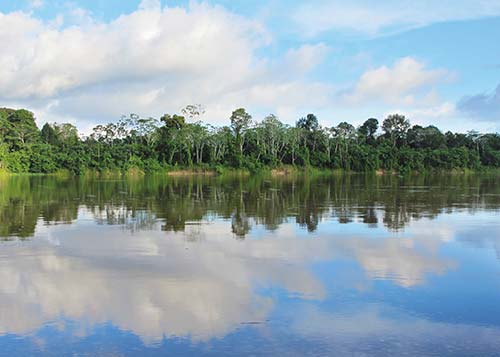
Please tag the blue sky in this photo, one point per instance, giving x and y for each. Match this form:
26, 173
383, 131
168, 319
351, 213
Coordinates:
88, 62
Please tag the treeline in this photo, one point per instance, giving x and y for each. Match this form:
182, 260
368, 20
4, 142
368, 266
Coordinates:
182, 140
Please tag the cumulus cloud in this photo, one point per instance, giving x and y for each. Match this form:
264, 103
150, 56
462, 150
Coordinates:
151, 61
380, 18
77, 68
483, 106
43, 61
406, 82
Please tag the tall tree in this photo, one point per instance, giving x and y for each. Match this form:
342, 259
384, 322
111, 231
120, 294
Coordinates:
274, 132
66, 133
310, 126
197, 136
142, 128
395, 127
429, 137
368, 129
175, 121
345, 134
171, 136
309, 123
193, 111
240, 122
220, 141
5, 126
48, 134
23, 129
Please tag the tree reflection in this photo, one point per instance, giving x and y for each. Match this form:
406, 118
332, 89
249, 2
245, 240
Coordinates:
170, 204
240, 224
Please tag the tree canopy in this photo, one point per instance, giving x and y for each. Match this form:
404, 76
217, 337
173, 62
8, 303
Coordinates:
183, 140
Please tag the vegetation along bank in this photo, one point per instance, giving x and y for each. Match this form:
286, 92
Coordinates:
182, 141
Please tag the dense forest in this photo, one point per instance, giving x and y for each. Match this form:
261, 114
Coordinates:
183, 141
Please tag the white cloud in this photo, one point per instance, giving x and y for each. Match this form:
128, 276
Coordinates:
150, 43
379, 18
409, 87
152, 61
306, 57
407, 82
75, 68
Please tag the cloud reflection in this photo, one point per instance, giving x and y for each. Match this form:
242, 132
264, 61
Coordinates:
158, 284
381, 330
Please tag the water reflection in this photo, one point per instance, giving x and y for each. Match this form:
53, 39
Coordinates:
388, 331
139, 204
173, 287
302, 262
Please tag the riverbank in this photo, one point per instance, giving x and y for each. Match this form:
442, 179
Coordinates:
277, 172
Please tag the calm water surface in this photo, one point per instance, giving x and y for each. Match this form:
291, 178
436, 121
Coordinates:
351, 265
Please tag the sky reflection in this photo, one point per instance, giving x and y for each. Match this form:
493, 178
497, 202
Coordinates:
348, 288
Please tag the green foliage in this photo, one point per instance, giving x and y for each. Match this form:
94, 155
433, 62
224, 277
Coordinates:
4, 153
367, 131
309, 123
18, 161
49, 135
18, 128
42, 159
145, 145
240, 122
395, 127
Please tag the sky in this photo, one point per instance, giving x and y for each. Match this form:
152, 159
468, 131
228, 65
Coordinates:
90, 62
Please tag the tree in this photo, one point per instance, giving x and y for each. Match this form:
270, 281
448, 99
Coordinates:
368, 129
5, 127
142, 128
311, 136
455, 140
48, 134
294, 139
66, 134
429, 137
309, 123
395, 127
274, 135
21, 128
240, 121
197, 136
220, 141
148, 143
175, 122
171, 140
193, 111
345, 134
